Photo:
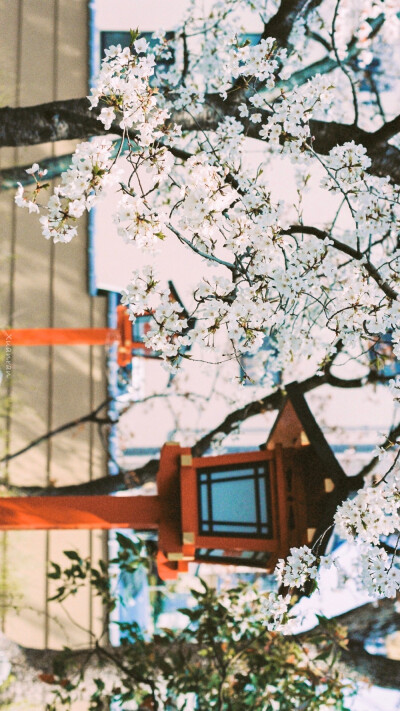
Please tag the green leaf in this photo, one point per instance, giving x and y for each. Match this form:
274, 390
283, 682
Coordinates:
73, 555
55, 574
133, 35
60, 592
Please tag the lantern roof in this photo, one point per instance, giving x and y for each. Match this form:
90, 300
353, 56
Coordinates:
296, 426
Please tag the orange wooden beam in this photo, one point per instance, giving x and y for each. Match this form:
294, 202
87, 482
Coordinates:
77, 512
58, 336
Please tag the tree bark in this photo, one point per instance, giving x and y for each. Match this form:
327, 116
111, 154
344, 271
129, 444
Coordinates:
72, 119
369, 622
281, 24
374, 619
372, 668
366, 623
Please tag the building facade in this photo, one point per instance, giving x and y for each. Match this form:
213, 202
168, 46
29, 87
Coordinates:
45, 57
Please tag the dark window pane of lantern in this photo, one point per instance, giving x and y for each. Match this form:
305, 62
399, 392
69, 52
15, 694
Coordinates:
249, 558
234, 528
235, 501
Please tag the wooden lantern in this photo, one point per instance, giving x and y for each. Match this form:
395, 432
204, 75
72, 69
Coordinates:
250, 508
246, 508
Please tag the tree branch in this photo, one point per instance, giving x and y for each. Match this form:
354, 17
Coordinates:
281, 24
273, 401
10, 177
355, 254
147, 473
359, 480
375, 668
54, 121
70, 119
90, 417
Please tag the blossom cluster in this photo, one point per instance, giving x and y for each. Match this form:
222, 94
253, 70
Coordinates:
300, 567
124, 86
379, 573
221, 212
372, 513
90, 174
268, 608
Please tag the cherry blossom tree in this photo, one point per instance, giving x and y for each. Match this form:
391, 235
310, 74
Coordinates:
316, 94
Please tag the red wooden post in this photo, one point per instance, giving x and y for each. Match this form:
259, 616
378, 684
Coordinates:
88, 512
58, 336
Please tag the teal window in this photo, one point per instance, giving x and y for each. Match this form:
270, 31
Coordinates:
235, 501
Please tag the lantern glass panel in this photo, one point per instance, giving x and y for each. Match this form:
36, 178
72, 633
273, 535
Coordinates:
256, 559
235, 501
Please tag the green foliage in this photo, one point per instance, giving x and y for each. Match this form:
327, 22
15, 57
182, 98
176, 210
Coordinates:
226, 658
133, 35
131, 556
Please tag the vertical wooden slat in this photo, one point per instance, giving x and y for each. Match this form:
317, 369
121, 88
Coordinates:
17, 26
46, 46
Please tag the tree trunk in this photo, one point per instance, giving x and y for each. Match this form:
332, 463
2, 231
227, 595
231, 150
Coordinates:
365, 624
372, 668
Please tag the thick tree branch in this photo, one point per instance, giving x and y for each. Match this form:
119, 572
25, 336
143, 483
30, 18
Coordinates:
373, 668
281, 24
369, 622
55, 121
385, 132
61, 120
147, 473
372, 620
